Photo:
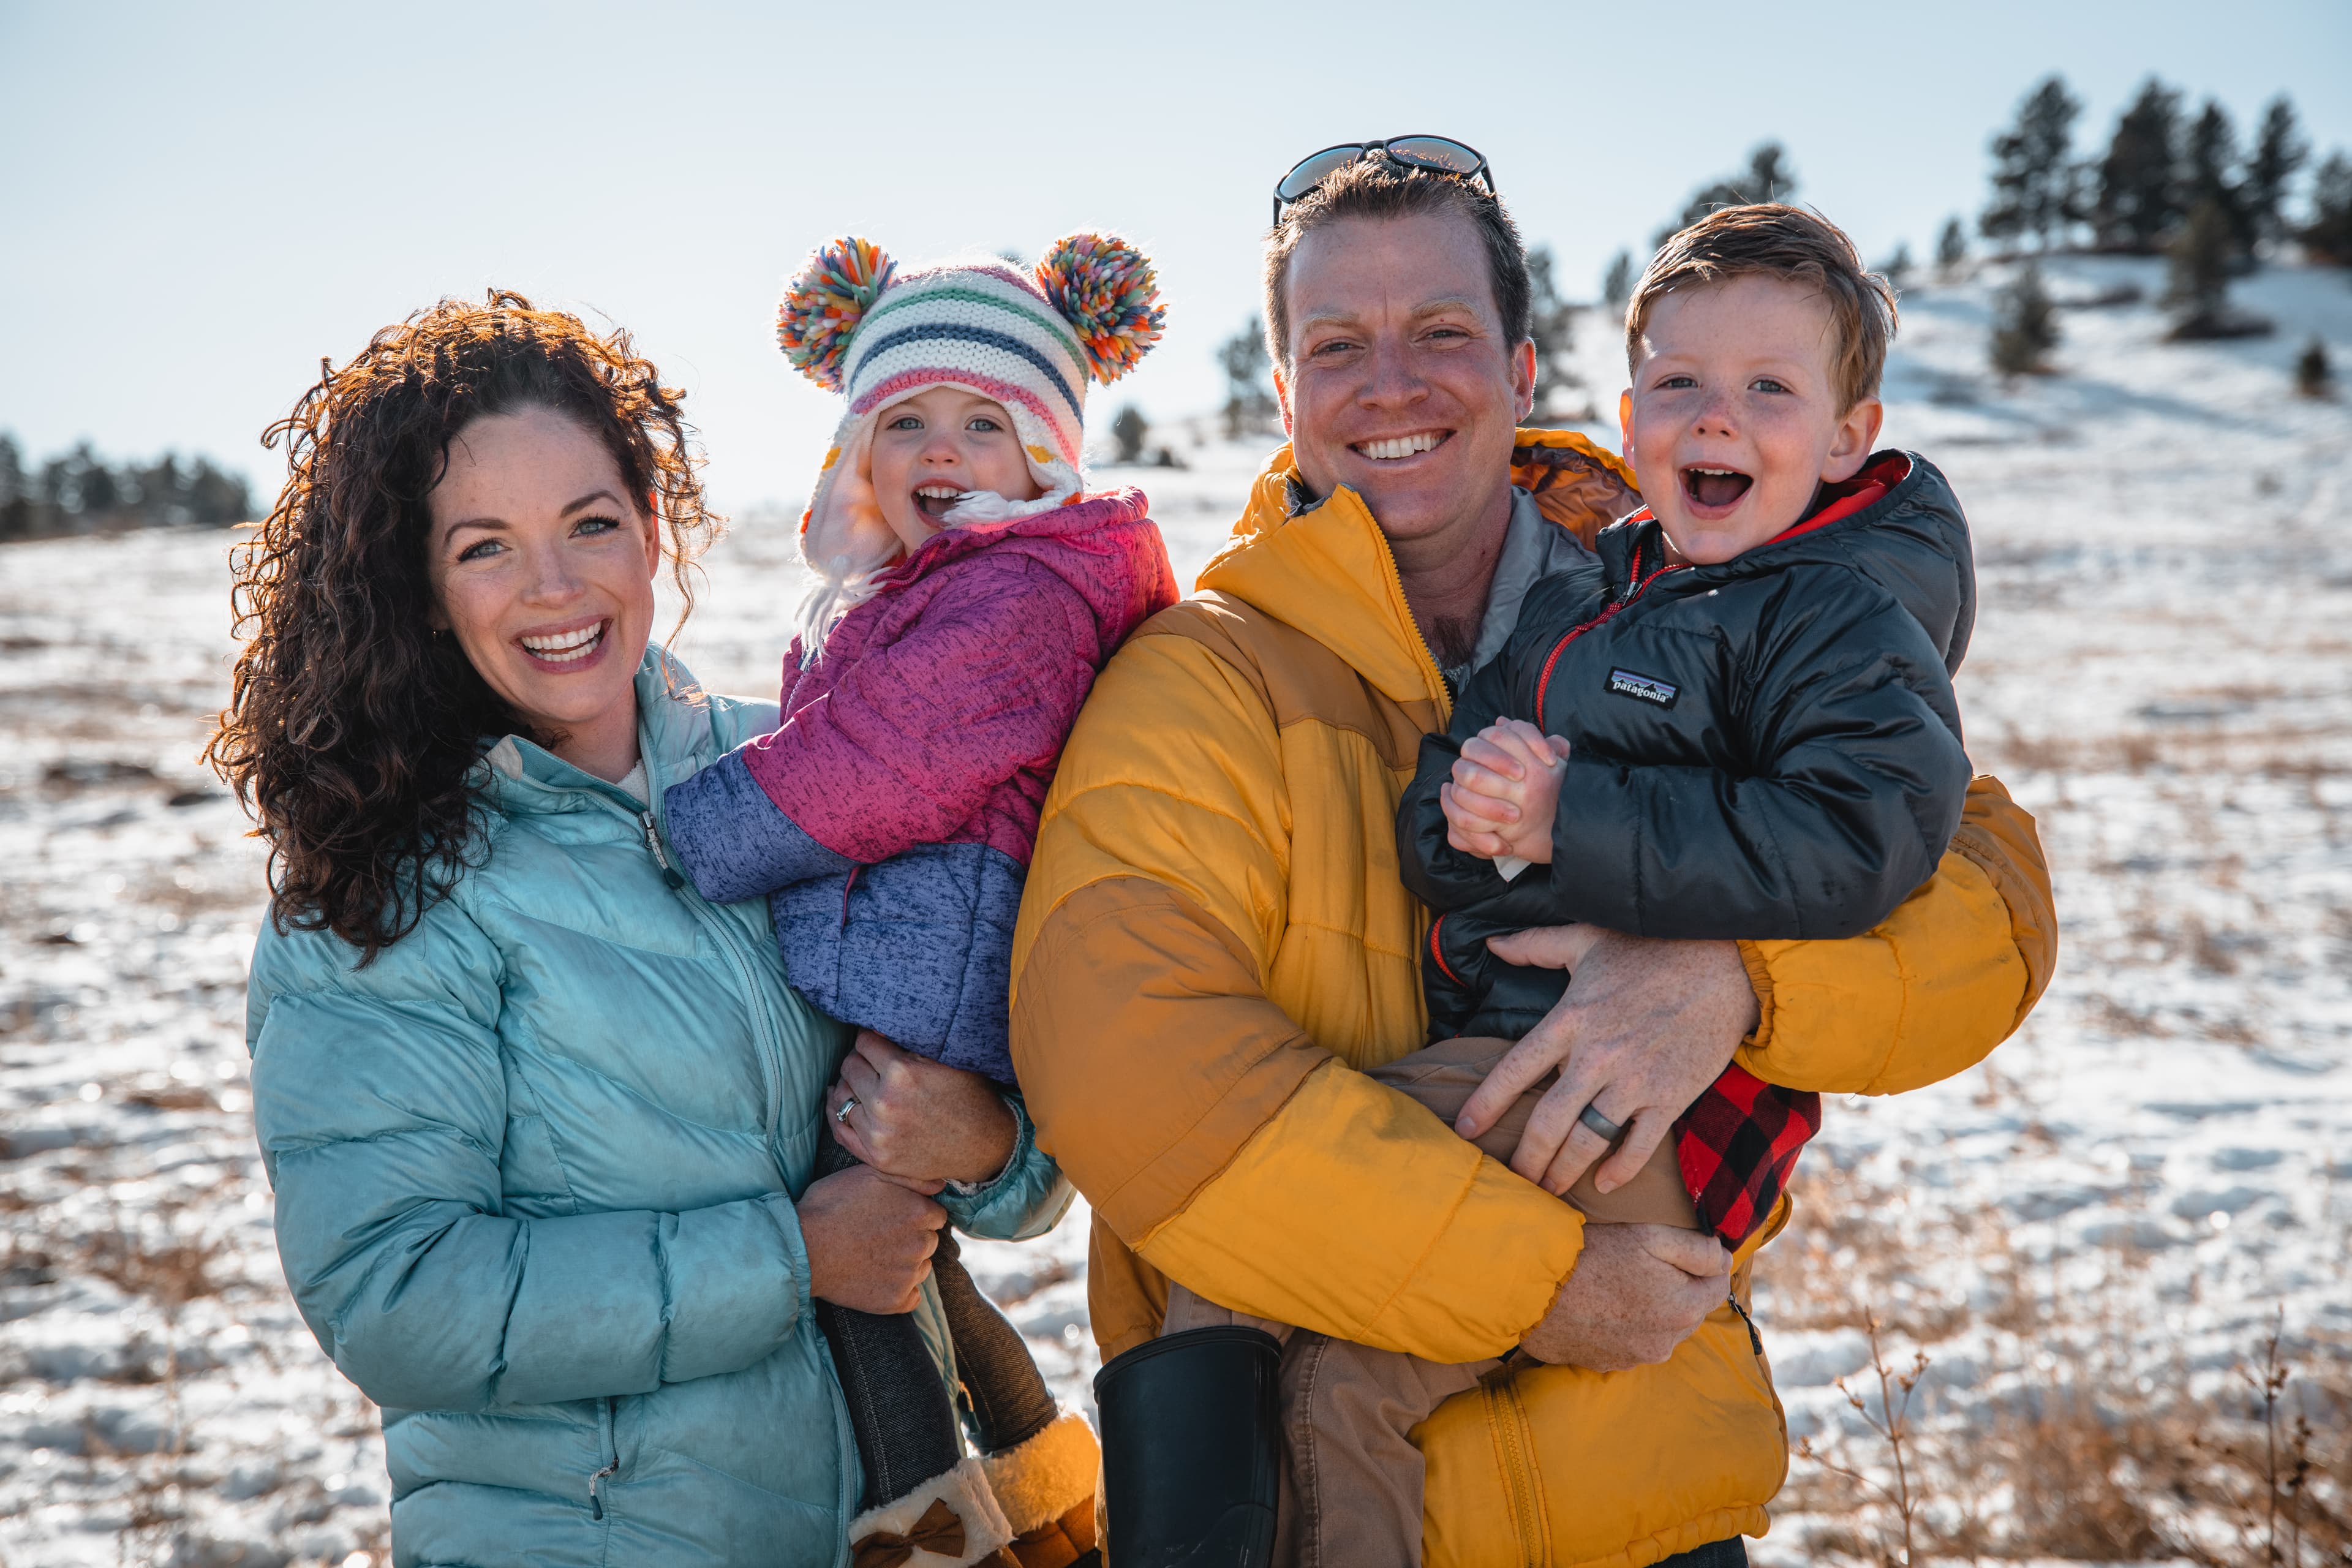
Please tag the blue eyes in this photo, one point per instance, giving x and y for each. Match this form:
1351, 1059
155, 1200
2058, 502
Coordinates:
591, 527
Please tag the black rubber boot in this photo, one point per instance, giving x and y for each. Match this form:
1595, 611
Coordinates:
1190, 1434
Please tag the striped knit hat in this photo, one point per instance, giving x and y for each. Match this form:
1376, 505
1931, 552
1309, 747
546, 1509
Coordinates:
854, 324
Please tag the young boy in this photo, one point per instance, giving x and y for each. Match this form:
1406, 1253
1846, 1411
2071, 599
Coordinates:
1737, 721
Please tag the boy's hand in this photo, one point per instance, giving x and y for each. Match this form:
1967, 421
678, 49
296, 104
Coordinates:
1504, 792
917, 1121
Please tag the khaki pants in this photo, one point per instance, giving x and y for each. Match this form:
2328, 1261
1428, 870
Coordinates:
1352, 1479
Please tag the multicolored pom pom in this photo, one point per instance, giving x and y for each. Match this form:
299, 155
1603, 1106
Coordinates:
1106, 289
824, 302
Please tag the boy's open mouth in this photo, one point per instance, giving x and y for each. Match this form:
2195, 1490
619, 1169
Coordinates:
937, 500
1392, 449
1715, 487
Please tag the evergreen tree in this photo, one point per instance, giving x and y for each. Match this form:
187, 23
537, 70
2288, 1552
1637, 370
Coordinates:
1245, 361
2024, 326
1898, 268
16, 492
1951, 250
1129, 429
2328, 235
217, 499
1617, 287
2139, 195
2279, 150
2209, 177
2033, 175
2313, 376
2202, 255
1768, 178
1551, 322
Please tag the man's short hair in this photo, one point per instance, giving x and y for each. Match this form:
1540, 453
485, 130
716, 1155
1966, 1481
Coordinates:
1790, 243
1375, 188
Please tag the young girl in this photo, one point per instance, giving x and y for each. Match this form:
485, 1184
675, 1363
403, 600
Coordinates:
968, 594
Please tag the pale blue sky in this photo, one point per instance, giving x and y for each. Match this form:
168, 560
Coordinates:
201, 201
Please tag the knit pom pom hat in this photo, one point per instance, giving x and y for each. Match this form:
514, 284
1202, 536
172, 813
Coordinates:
854, 324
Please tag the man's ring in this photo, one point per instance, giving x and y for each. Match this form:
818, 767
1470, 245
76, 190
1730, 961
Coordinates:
847, 1106
1608, 1130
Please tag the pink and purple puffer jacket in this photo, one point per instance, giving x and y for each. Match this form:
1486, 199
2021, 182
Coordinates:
891, 814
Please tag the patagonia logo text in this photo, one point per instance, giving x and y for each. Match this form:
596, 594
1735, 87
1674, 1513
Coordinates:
1648, 688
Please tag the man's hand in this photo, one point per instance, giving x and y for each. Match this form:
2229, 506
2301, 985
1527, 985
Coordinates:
919, 1120
1646, 1026
1636, 1292
1504, 792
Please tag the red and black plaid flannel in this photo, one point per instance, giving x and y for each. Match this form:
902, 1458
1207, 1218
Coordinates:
1736, 1144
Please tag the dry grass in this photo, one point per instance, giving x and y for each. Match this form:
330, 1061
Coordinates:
2087, 1453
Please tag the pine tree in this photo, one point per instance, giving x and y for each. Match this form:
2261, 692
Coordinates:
1768, 178
2024, 326
1551, 322
2279, 150
2209, 177
2328, 235
1617, 287
1951, 250
2033, 177
2139, 196
1898, 267
2313, 376
2203, 255
1129, 429
1245, 362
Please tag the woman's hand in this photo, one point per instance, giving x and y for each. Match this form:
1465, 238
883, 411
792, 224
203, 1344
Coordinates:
869, 1240
1646, 1025
916, 1119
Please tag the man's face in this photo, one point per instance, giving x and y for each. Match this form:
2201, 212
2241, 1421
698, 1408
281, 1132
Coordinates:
1733, 418
1401, 381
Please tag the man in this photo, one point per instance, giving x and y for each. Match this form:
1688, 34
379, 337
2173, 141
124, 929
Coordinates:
1214, 944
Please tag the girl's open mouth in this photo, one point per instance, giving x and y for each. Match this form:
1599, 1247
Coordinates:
566, 650
1715, 490
935, 501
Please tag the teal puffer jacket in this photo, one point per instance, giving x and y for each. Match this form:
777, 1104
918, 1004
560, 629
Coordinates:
535, 1169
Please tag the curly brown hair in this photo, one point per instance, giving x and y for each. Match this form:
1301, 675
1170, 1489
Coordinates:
352, 728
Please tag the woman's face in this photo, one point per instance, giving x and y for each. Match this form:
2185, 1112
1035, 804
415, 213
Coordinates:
543, 567
936, 446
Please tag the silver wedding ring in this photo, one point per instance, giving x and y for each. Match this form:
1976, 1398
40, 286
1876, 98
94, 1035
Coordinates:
847, 1106
1607, 1130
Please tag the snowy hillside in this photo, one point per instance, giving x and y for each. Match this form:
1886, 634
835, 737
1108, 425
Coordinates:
2093, 1234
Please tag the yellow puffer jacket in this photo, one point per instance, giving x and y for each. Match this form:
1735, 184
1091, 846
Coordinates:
1215, 943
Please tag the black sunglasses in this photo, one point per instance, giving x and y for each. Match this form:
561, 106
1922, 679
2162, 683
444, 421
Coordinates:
1435, 154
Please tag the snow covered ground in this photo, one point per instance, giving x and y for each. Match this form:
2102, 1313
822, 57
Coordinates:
2123, 1202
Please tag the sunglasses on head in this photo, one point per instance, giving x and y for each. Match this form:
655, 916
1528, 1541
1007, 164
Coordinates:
1434, 154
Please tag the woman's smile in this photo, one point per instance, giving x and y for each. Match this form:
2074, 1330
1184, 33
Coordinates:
567, 650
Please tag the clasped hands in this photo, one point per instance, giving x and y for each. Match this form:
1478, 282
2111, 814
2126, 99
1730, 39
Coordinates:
915, 1124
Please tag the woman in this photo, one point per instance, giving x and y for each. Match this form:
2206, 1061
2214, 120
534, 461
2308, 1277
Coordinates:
540, 1118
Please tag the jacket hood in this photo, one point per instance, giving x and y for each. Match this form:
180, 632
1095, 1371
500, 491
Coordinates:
1896, 521
1325, 567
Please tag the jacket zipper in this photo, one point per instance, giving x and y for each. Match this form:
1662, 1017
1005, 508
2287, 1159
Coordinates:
1513, 1449
1633, 591
612, 1460
1419, 644
764, 1025
769, 1037
653, 842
